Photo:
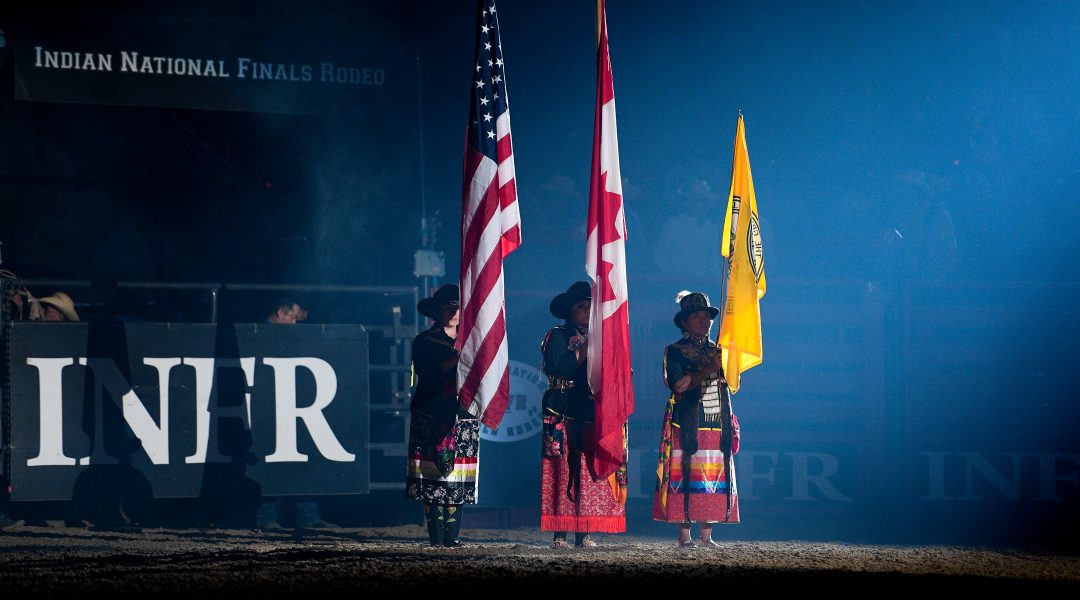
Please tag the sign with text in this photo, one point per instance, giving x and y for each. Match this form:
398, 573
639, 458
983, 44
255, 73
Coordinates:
305, 68
522, 419
185, 410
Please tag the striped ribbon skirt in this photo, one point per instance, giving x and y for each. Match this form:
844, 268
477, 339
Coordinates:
707, 483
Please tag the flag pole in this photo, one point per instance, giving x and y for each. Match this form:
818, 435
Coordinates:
727, 432
599, 16
727, 238
427, 281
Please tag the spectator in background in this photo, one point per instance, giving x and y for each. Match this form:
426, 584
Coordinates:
17, 301
288, 311
58, 307
21, 305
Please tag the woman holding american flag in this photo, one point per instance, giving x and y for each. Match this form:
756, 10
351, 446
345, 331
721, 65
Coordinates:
444, 440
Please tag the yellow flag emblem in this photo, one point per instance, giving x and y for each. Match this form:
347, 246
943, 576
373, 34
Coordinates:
740, 331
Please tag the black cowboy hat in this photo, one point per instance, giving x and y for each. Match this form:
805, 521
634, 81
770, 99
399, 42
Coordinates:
692, 302
447, 295
561, 304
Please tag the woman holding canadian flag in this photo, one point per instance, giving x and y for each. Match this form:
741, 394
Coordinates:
571, 498
590, 485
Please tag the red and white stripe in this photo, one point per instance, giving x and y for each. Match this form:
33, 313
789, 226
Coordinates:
490, 231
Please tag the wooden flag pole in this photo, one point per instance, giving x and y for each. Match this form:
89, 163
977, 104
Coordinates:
599, 16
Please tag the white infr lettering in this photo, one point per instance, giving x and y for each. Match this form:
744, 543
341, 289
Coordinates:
287, 411
51, 412
154, 436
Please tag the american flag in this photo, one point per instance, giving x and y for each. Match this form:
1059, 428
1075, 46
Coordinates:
605, 262
490, 231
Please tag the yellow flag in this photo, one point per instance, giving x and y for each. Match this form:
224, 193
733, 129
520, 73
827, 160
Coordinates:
740, 331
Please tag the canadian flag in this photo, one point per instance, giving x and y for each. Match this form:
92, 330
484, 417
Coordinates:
605, 263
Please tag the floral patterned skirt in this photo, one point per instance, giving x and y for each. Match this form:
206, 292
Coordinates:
569, 498
443, 467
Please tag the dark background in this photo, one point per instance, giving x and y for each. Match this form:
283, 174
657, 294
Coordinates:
915, 167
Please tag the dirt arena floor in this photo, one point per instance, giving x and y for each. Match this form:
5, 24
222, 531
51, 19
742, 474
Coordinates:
380, 562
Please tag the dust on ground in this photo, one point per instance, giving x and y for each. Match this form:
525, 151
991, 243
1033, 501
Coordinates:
387, 561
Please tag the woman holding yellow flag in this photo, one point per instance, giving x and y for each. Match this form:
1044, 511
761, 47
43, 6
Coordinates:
694, 483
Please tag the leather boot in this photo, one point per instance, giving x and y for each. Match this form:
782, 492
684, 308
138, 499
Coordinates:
436, 523
453, 526
266, 518
307, 516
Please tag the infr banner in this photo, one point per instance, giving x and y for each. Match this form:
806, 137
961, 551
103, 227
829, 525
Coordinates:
186, 410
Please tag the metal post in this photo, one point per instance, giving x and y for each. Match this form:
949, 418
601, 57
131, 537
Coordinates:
395, 383
5, 384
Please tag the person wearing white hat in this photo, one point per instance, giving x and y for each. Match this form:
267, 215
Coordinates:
58, 307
